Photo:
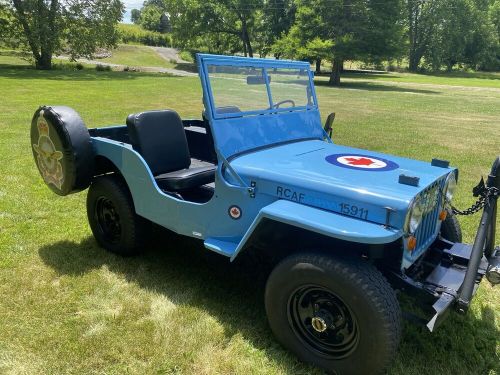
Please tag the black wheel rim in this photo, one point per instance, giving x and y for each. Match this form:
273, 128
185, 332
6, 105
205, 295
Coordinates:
323, 322
108, 220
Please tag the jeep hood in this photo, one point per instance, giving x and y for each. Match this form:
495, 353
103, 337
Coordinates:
357, 184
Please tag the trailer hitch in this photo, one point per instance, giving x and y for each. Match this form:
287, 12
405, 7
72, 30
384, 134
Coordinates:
484, 243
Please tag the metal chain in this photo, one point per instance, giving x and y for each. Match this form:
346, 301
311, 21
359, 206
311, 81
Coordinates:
484, 195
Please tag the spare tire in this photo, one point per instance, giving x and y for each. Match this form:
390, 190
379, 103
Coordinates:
62, 149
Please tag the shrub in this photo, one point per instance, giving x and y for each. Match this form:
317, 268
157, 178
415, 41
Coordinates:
186, 56
79, 66
102, 68
63, 65
133, 34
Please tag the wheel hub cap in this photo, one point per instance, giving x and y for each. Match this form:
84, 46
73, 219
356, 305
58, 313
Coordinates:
323, 322
318, 324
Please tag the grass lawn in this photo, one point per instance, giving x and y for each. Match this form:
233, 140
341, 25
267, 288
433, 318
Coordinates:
475, 79
68, 307
135, 55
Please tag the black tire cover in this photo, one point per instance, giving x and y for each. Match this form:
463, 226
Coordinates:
62, 149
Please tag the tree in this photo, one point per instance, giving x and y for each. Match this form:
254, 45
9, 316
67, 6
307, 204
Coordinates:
135, 16
78, 26
449, 32
421, 20
346, 30
278, 17
9, 29
150, 17
231, 18
494, 15
460, 35
165, 26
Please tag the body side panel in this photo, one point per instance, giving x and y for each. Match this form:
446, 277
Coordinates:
196, 220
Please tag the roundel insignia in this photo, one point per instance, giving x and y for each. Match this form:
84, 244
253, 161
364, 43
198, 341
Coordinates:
361, 162
234, 212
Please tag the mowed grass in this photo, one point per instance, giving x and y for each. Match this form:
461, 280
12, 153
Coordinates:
468, 79
69, 307
135, 56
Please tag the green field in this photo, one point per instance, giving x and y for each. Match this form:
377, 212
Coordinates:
68, 307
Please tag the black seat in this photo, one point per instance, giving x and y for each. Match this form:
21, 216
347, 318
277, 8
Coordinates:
160, 138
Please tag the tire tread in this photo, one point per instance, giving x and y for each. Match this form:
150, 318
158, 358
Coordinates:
137, 226
368, 279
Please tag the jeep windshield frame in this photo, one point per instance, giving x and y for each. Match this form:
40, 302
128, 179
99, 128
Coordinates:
256, 103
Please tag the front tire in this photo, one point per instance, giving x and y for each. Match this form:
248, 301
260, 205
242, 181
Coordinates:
112, 218
450, 228
341, 315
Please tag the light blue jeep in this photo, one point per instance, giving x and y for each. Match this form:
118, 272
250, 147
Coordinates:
259, 174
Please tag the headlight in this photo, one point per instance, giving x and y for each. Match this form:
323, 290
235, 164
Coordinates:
415, 214
450, 186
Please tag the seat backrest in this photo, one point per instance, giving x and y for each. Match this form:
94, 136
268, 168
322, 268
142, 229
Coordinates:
160, 138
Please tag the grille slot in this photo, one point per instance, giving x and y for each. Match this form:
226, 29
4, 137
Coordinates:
428, 229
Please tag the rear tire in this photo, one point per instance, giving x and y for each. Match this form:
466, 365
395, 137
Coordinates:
341, 315
62, 149
112, 218
450, 228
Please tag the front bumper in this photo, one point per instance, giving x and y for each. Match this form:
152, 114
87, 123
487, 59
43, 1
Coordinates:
448, 280
440, 280
450, 273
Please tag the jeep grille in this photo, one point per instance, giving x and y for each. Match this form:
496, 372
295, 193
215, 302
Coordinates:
429, 227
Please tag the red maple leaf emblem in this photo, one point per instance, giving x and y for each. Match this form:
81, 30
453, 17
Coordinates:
359, 161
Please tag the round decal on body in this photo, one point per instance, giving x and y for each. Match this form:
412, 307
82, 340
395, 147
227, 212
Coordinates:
234, 212
361, 162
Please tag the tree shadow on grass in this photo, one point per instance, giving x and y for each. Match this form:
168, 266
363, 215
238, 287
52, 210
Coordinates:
28, 72
187, 274
369, 86
233, 294
188, 67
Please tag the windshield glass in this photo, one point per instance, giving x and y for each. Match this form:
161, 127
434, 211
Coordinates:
231, 92
237, 89
289, 87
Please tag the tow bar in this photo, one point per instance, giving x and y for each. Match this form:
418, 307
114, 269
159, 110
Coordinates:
484, 243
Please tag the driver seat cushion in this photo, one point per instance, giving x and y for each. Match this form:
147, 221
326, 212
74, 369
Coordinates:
160, 138
186, 179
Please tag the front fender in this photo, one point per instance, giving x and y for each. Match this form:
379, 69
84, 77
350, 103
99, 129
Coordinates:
322, 222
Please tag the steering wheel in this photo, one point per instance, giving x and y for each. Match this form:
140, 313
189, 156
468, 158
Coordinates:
277, 105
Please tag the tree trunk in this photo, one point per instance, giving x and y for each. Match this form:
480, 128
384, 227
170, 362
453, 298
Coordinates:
244, 47
416, 55
44, 61
246, 38
42, 36
337, 68
413, 21
414, 62
318, 66
250, 50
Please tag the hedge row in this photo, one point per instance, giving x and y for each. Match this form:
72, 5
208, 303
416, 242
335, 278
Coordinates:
131, 34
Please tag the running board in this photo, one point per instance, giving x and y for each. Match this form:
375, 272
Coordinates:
221, 246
